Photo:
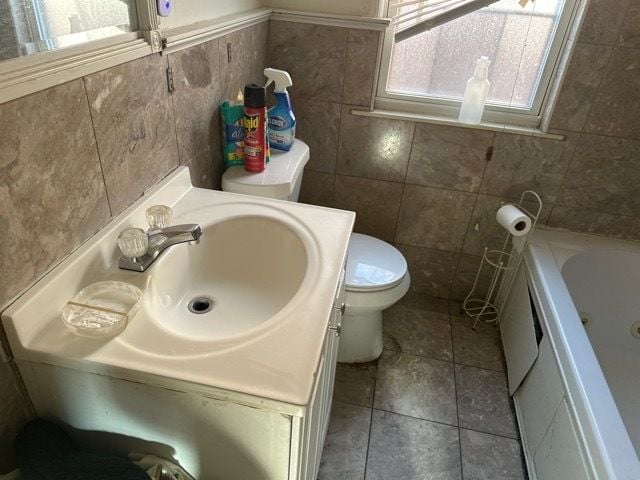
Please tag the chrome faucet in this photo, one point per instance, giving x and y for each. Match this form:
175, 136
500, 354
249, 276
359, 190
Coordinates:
140, 249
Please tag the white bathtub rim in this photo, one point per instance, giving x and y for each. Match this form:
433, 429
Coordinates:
611, 453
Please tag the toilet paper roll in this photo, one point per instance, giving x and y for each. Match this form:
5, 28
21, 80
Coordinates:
513, 220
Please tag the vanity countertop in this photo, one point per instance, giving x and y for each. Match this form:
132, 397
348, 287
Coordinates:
276, 361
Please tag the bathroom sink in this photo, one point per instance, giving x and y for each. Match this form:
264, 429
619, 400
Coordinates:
241, 274
245, 310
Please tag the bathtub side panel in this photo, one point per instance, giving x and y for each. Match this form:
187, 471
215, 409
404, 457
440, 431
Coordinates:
559, 454
539, 396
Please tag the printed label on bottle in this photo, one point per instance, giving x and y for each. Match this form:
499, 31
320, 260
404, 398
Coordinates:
254, 140
277, 123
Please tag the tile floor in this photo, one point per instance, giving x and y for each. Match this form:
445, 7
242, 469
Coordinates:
434, 406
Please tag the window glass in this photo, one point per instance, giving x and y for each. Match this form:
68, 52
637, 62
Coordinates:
438, 63
32, 26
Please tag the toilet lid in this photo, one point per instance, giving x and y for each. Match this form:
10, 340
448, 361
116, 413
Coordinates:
373, 264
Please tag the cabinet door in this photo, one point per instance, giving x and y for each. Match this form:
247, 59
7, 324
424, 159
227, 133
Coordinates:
314, 426
316, 422
331, 347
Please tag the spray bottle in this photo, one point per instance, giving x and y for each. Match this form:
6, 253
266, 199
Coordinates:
475, 95
282, 121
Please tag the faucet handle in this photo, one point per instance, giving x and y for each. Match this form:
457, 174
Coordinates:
133, 243
159, 216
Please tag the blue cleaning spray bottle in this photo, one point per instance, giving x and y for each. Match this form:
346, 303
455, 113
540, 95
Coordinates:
282, 121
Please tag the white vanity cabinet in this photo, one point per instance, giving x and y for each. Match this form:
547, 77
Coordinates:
315, 423
242, 392
213, 434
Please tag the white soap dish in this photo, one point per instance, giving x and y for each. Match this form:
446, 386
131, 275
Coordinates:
101, 309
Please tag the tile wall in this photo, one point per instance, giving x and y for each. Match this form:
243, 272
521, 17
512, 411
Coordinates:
433, 190
76, 155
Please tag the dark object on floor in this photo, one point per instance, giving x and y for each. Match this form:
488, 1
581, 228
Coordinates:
46, 452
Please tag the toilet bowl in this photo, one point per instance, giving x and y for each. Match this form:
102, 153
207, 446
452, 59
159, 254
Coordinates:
376, 274
376, 278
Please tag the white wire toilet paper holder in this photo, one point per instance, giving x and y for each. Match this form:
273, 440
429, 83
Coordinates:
504, 264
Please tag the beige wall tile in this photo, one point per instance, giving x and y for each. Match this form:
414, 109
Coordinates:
134, 126
314, 55
317, 188
630, 31
432, 271
527, 163
52, 196
465, 276
206, 172
580, 86
374, 147
616, 108
602, 22
375, 202
448, 157
196, 73
362, 55
484, 230
604, 176
434, 218
597, 223
318, 125
248, 58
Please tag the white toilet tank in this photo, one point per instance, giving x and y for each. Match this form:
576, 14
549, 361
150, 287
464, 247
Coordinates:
281, 179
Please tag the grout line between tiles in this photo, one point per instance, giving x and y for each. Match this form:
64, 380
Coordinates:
373, 402
175, 122
404, 186
334, 201
95, 138
585, 129
448, 424
455, 393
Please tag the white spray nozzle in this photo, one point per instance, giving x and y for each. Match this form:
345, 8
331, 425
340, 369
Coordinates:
281, 78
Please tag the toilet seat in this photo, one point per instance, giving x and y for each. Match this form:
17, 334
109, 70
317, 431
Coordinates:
373, 265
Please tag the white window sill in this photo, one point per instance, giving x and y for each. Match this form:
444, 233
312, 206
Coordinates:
436, 120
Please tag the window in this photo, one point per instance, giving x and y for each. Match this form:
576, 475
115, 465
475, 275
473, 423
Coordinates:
34, 26
427, 73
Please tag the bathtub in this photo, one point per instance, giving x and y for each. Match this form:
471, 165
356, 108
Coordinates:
578, 406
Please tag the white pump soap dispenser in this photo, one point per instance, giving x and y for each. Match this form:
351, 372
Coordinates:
475, 95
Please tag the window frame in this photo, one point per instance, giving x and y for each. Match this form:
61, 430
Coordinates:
500, 114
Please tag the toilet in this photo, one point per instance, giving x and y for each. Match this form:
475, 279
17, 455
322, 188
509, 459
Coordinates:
376, 274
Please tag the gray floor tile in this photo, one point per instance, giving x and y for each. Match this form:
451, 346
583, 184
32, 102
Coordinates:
416, 386
488, 457
355, 383
480, 347
483, 401
345, 449
425, 302
403, 448
417, 332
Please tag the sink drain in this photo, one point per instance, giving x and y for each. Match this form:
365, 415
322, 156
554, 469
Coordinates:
200, 305
635, 330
